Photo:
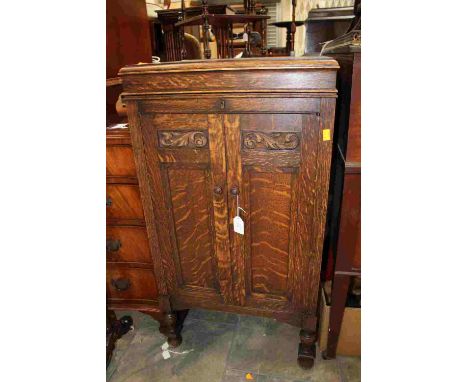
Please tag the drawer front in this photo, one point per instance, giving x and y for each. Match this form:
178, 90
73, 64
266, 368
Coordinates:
123, 202
131, 284
120, 161
127, 244
226, 105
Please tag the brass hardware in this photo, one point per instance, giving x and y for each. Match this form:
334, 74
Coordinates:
121, 284
218, 190
113, 245
235, 191
108, 202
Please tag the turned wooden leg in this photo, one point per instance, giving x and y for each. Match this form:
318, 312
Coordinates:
171, 326
306, 354
340, 289
308, 337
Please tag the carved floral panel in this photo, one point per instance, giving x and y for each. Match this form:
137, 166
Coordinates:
270, 141
183, 139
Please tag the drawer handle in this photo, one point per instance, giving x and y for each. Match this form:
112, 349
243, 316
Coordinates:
113, 245
121, 284
108, 202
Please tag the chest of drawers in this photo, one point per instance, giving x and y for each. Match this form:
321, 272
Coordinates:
130, 277
212, 136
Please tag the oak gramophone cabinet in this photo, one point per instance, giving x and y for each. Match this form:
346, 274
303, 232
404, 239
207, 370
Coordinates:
209, 137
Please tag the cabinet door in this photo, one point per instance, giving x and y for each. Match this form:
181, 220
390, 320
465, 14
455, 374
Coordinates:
280, 164
186, 167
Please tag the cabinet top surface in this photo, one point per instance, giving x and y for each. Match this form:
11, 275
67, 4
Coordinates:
268, 63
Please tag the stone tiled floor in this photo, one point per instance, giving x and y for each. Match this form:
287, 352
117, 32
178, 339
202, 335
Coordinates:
221, 347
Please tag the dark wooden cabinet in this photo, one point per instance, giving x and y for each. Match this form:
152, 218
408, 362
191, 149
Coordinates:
345, 211
211, 136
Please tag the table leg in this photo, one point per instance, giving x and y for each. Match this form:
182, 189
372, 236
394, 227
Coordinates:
340, 289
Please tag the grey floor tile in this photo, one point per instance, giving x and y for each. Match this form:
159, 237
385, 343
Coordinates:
268, 347
248, 345
207, 344
280, 356
232, 375
281, 379
207, 315
225, 348
351, 368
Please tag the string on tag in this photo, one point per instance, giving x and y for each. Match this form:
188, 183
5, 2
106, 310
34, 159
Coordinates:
239, 207
237, 221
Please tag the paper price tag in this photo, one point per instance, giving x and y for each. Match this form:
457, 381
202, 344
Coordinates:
165, 346
166, 354
238, 225
326, 135
245, 37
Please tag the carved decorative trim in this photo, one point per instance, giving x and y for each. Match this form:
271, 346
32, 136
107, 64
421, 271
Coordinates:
270, 141
183, 139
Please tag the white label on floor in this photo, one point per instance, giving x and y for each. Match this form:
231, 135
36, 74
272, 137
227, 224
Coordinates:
166, 354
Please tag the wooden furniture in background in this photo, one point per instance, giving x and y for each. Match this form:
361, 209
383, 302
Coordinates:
345, 211
127, 42
325, 24
130, 278
169, 17
221, 19
223, 26
127, 35
290, 33
130, 268
289, 49
215, 135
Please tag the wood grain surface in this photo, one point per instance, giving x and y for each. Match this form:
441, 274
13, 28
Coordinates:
125, 202
120, 161
220, 213
269, 218
134, 245
141, 281
191, 218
